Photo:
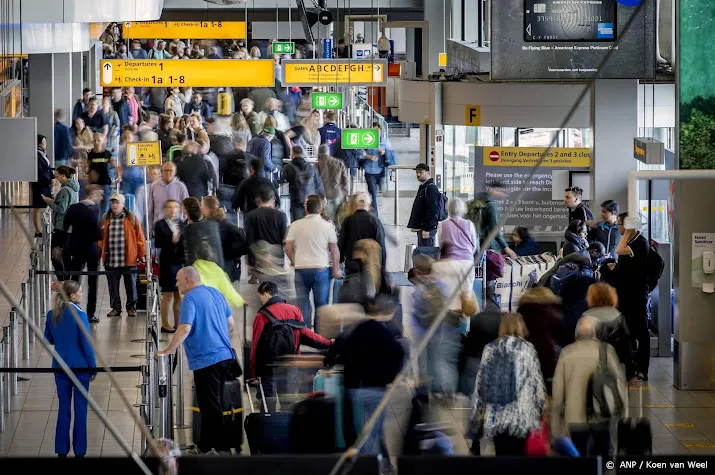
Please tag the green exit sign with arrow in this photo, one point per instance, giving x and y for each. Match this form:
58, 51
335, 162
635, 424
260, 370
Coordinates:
327, 100
360, 138
283, 47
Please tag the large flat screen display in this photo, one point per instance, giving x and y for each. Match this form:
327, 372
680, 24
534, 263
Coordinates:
568, 39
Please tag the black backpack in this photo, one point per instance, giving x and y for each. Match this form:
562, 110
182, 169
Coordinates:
276, 340
442, 205
654, 266
603, 400
306, 182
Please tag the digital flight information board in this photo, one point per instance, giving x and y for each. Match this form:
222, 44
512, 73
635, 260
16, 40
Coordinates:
570, 20
569, 39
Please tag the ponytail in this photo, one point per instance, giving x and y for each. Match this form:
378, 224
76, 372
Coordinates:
69, 287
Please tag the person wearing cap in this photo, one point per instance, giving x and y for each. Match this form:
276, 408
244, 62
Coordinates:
260, 146
630, 278
361, 225
122, 247
426, 211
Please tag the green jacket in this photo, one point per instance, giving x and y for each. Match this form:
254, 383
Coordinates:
213, 276
483, 212
66, 197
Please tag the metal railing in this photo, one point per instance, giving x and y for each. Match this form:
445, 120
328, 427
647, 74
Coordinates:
394, 171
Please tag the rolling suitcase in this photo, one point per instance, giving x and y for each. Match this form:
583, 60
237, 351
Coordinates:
330, 382
634, 433
335, 290
432, 252
267, 433
232, 405
312, 429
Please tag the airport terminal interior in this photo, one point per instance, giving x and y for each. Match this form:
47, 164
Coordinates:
370, 189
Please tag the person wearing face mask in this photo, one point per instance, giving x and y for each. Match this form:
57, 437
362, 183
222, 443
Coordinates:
577, 208
167, 236
63, 331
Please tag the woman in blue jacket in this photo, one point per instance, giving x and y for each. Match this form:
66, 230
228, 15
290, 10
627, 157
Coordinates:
63, 332
524, 244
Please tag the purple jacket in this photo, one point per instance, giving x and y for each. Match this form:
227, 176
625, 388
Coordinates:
159, 193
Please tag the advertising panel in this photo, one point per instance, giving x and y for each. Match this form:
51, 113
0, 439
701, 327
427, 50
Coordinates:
568, 39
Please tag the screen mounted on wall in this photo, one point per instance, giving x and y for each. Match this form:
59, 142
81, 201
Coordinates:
568, 39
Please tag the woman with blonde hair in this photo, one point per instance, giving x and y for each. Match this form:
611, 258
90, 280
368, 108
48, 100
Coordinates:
239, 128
255, 53
510, 395
233, 239
307, 132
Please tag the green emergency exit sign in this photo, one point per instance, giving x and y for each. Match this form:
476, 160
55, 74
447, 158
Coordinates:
283, 47
360, 138
327, 100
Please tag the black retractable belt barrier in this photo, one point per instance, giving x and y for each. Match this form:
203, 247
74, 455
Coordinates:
90, 272
114, 369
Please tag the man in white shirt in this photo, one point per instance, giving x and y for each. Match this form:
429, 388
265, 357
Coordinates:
312, 247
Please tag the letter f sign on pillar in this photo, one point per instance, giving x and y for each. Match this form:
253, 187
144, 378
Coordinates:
472, 115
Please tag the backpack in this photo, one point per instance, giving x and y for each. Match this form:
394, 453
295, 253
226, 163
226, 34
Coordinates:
277, 340
433, 301
443, 204
306, 181
498, 377
602, 398
565, 273
654, 266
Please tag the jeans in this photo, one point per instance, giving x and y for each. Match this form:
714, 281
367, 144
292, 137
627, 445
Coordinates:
132, 180
439, 363
130, 287
208, 384
90, 258
225, 193
426, 242
65, 391
105, 198
317, 280
372, 184
297, 211
362, 404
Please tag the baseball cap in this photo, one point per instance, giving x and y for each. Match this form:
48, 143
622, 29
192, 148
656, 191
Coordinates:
422, 167
268, 130
118, 197
363, 198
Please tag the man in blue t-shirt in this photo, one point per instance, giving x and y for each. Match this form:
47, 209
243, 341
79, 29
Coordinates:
204, 328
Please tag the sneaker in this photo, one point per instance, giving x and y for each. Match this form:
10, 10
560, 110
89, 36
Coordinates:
131, 313
93, 319
168, 330
115, 313
641, 376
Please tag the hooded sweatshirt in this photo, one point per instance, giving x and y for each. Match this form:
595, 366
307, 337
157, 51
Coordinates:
303, 180
66, 197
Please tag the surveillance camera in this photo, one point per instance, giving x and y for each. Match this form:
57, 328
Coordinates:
325, 17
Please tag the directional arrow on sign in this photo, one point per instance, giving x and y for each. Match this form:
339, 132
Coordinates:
333, 101
377, 67
107, 66
528, 29
367, 139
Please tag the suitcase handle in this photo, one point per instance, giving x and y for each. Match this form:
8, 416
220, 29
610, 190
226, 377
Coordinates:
257, 382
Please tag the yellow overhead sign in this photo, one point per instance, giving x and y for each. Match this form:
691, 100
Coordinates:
314, 72
190, 73
472, 115
198, 30
143, 153
529, 156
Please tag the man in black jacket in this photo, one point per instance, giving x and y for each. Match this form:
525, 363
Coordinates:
361, 225
194, 171
82, 249
426, 211
606, 231
245, 198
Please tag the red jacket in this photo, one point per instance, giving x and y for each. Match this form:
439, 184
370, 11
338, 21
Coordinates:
284, 311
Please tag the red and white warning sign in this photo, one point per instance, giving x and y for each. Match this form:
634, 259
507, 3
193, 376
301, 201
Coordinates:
494, 156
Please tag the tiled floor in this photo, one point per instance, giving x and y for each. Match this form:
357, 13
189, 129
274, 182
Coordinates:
682, 422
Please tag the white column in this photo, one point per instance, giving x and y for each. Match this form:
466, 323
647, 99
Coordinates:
64, 97
77, 80
42, 96
615, 124
434, 12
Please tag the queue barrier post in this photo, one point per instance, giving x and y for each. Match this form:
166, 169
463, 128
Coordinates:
164, 426
12, 357
180, 418
2, 389
26, 305
7, 390
34, 302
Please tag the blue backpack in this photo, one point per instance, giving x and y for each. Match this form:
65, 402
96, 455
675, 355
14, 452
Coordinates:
565, 274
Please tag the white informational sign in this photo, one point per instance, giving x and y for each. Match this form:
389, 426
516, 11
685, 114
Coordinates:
702, 242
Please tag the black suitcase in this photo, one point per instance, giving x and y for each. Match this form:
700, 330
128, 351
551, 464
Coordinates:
431, 251
267, 433
232, 404
312, 429
634, 433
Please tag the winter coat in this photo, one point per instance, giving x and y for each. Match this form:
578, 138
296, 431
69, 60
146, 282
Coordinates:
574, 244
614, 330
426, 207
303, 180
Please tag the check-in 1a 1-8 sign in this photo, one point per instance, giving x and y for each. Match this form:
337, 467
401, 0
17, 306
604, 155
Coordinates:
360, 138
327, 100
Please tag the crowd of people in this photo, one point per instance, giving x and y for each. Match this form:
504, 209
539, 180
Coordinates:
520, 369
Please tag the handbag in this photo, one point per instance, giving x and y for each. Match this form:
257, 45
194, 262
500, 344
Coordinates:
495, 266
537, 444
